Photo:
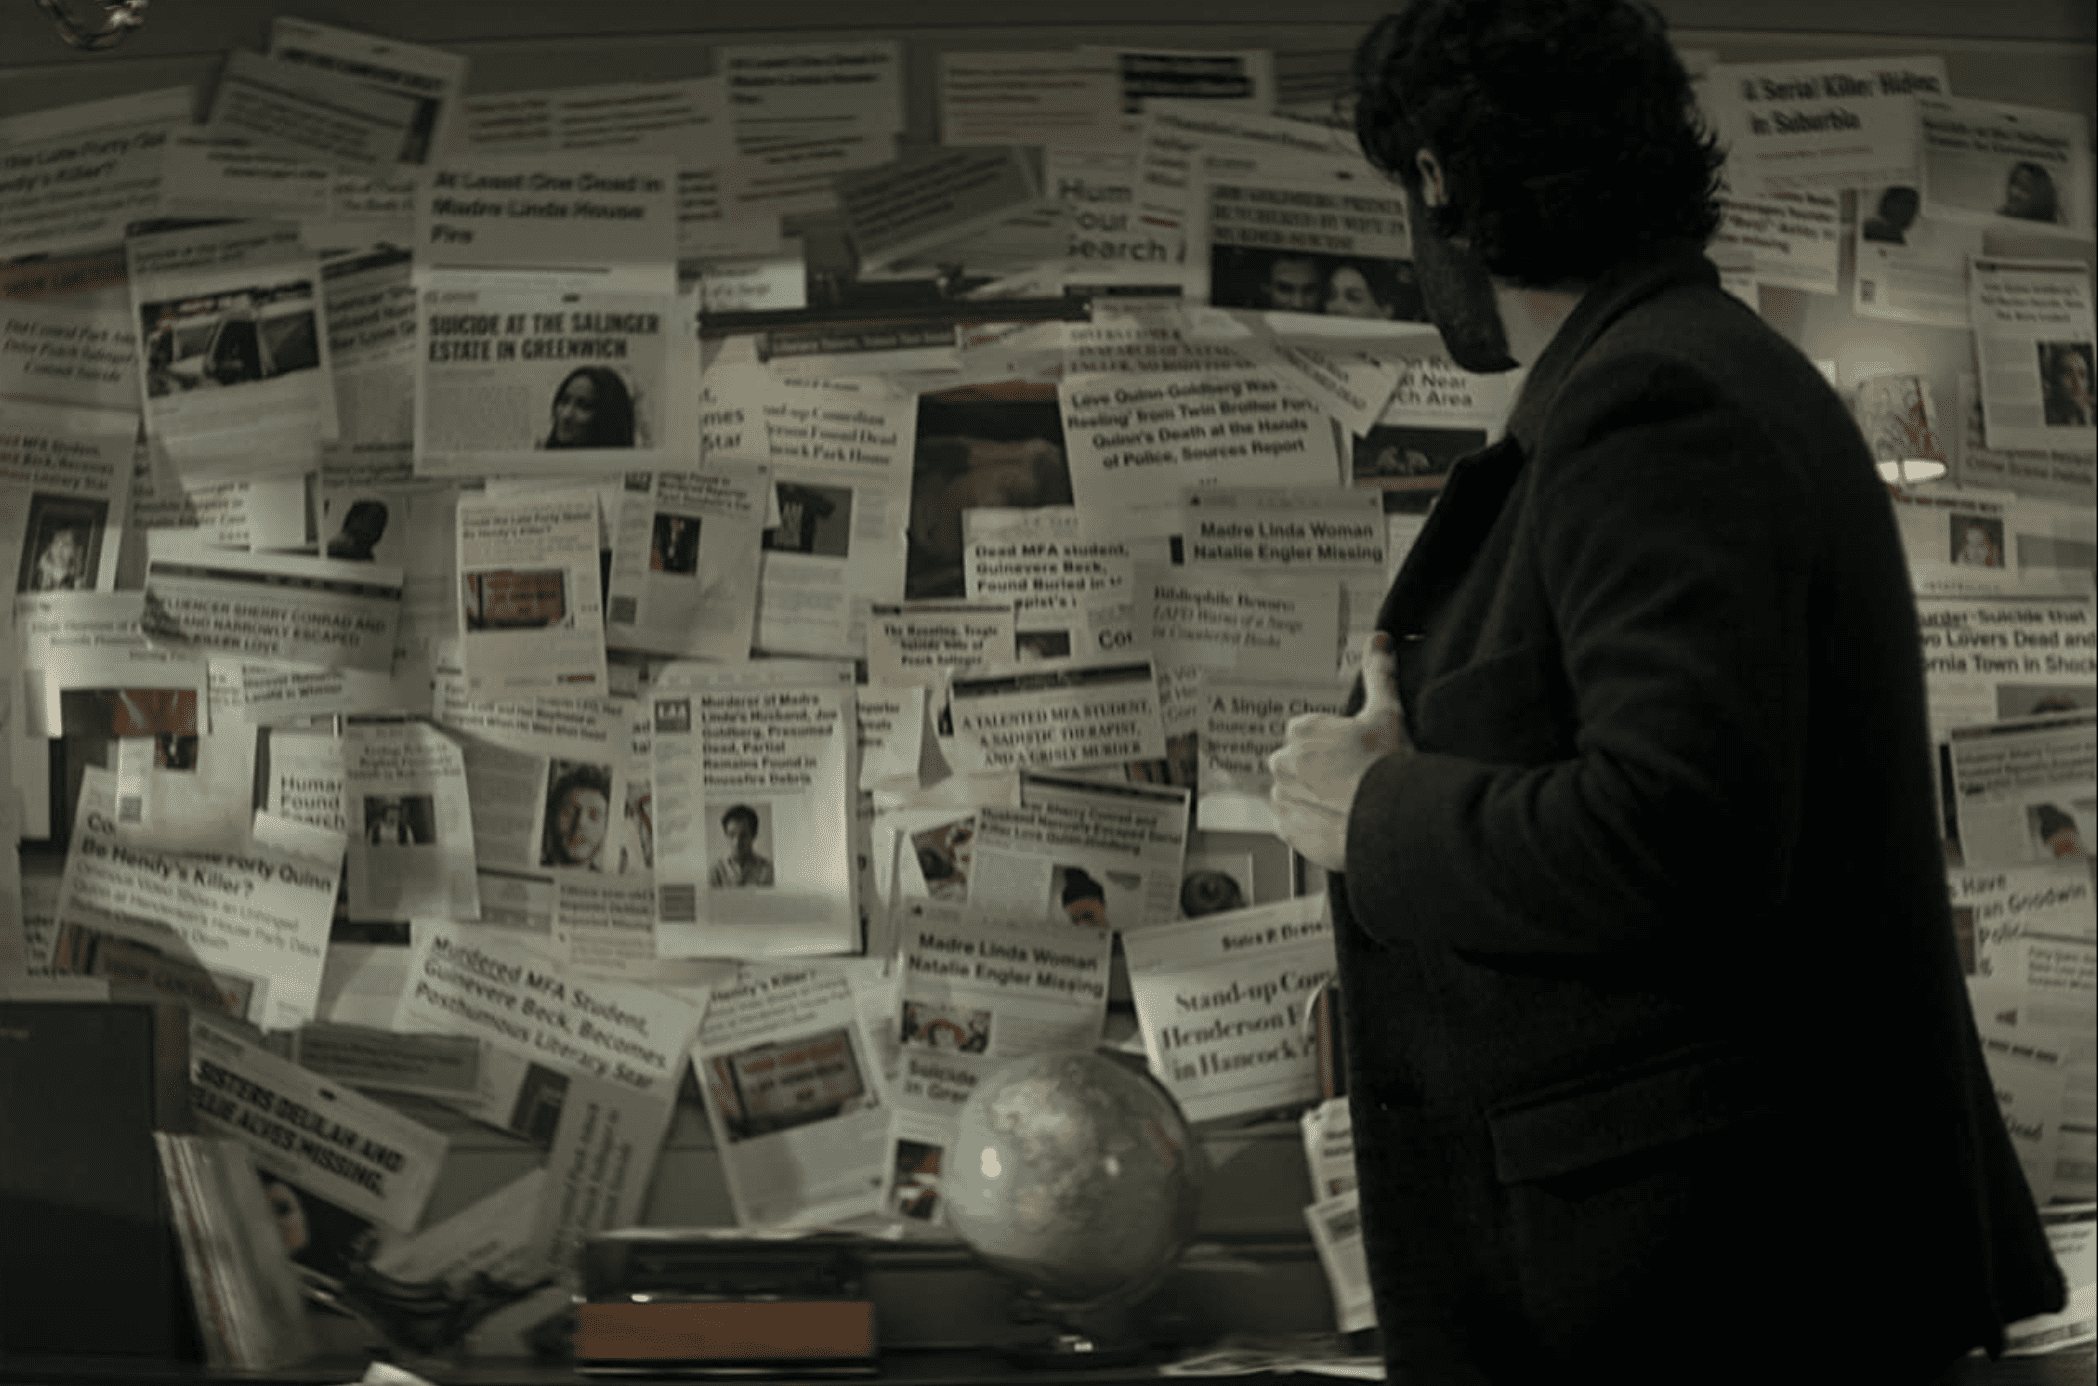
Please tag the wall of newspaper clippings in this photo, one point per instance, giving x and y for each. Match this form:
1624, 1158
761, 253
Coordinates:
907, 472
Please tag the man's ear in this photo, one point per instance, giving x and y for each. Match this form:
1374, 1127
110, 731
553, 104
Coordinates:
1433, 194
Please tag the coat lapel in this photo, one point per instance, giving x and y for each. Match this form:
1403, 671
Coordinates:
1471, 501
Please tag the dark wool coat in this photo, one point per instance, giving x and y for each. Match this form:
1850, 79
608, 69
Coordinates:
1660, 1059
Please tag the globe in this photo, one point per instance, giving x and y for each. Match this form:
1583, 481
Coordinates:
1076, 1178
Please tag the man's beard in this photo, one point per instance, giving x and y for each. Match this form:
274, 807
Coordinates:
1458, 295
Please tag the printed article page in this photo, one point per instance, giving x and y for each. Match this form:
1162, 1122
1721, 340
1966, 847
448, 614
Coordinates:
72, 190
2024, 788
252, 926
1822, 123
233, 345
753, 775
841, 453
411, 825
2033, 926
1221, 1002
1990, 159
609, 221
69, 354
432, 79
504, 989
1243, 723
271, 606
1063, 712
354, 1153
1139, 442
2020, 655
1069, 588
542, 382
2033, 343
372, 321
972, 985
90, 678
299, 109
531, 616
686, 549
65, 481
1077, 851
2060, 477
795, 1094
925, 1113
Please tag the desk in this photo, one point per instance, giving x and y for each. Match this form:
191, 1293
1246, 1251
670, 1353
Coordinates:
2072, 1368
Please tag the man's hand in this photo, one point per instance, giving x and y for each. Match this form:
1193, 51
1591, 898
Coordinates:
1324, 758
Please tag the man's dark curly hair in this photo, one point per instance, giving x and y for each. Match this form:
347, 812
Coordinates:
1566, 131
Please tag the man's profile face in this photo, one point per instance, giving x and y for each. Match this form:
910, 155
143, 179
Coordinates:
1458, 295
1293, 285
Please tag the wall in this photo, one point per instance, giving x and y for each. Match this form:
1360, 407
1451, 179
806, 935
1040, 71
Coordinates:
2032, 51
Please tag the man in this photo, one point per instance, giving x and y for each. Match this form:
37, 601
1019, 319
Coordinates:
1293, 285
391, 828
1897, 213
1660, 1069
742, 866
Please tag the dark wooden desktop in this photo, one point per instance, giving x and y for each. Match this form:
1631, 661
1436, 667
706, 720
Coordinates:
955, 1368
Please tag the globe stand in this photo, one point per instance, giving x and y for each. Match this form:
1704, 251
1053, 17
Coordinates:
1074, 1337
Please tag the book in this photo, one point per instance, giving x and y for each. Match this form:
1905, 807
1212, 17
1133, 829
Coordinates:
250, 1311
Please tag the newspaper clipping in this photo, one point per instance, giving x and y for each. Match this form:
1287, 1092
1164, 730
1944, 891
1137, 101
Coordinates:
1832, 123
1140, 441
74, 190
233, 345
1088, 853
1987, 159
68, 354
2033, 342
795, 1094
2011, 656
430, 78
1221, 999
1069, 588
372, 321
65, 476
841, 451
1243, 723
323, 612
925, 1111
1058, 713
530, 613
256, 920
612, 219
685, 556
1911, 267
975, 986
505, 990
753, 775
542, 382
411, 827
2029, 926
2024, 788
354, 1151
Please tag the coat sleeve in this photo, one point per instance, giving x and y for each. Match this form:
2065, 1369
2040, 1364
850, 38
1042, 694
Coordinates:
1671, 545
